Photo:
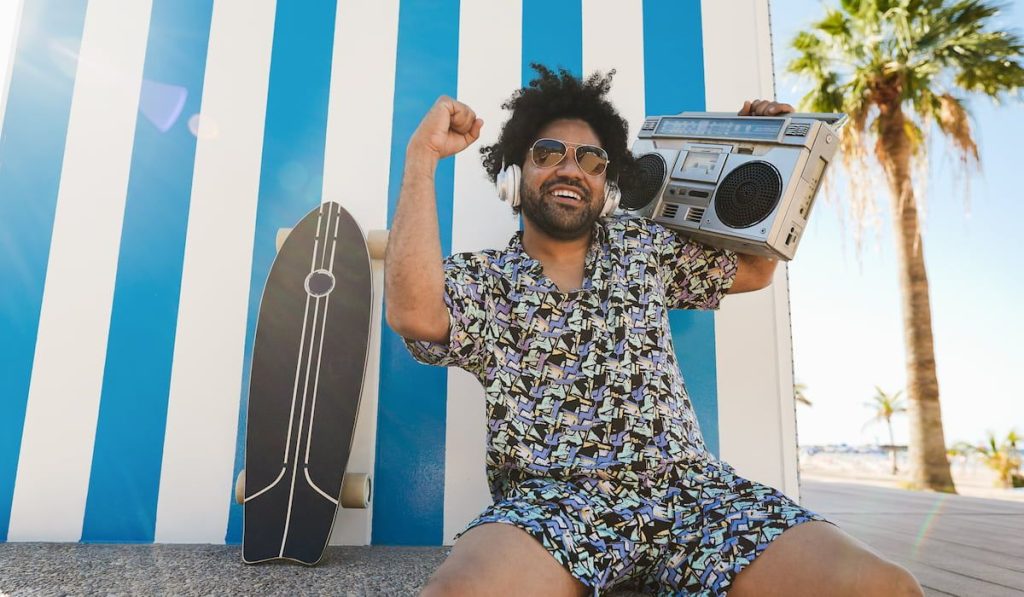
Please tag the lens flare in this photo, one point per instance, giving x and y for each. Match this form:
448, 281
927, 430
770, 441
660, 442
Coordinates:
161, 103
203, 127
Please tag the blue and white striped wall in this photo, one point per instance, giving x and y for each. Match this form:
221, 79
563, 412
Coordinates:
149, 152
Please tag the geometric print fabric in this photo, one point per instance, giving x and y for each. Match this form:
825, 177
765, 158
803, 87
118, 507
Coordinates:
687, 529
583, 380
592, 443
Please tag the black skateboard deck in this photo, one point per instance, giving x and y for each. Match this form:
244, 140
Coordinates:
308, 360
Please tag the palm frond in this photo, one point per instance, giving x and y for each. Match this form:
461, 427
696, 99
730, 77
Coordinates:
927, 56
952, 119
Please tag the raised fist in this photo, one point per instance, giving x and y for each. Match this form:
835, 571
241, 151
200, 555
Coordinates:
449, 127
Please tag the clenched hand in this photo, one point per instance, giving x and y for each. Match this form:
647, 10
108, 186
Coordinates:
449, 127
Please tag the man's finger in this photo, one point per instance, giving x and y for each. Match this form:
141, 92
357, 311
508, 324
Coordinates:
745, 110
463, 118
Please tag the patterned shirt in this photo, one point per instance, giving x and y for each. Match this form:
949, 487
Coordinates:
583, 381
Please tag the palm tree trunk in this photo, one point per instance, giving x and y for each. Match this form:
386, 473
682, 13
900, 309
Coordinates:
929, 467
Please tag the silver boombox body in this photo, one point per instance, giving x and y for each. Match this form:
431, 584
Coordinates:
745, 183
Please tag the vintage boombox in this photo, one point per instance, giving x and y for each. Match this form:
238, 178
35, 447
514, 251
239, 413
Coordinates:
745, 183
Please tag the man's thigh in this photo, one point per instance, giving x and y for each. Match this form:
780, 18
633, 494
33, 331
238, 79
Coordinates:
501, 559
816, 558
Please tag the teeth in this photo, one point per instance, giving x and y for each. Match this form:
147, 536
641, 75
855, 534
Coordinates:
569, 194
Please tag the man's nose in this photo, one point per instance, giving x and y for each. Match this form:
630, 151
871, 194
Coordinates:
569, 167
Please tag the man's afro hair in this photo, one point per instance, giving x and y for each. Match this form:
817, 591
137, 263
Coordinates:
551, 97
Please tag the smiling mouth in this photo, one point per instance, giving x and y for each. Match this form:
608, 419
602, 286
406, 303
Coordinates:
568, 197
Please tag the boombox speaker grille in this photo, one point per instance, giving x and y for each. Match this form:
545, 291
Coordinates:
650, 170
748, 194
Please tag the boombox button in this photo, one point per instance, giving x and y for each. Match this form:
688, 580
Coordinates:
828, 138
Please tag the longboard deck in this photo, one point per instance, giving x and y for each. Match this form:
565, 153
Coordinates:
309, 357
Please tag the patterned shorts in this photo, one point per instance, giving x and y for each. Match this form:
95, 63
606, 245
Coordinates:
685, 529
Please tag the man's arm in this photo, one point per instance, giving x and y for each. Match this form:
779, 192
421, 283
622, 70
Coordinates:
413, 272
754, 272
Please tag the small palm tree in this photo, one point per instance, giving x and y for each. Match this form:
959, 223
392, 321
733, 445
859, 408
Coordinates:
1002, 457
800, 394
896, 67
885, 406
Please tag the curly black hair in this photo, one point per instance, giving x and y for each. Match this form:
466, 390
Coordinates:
551, 97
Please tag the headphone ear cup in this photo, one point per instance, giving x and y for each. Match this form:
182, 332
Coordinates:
612, 196
507, 184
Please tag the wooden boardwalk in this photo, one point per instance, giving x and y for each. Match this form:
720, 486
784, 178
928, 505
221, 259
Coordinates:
954, 545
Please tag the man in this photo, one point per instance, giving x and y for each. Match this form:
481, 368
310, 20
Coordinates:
595, 461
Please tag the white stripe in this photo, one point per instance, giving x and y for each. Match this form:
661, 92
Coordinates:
756, 417
613, 37
10, 23
356, 168
317, 488
202, 416
67, 378
737, 53
490, 57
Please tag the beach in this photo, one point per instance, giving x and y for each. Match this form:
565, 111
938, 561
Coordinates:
869, 465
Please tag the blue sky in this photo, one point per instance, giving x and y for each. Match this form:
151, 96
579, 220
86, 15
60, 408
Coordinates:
846, 311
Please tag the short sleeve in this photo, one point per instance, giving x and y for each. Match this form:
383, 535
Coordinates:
696, 276
464, 296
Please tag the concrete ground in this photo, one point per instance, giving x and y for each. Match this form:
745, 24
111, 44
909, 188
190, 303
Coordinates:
77, 569
955, 545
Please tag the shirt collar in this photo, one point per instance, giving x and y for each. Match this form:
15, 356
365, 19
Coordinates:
531, 266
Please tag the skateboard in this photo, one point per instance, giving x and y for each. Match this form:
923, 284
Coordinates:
308, 361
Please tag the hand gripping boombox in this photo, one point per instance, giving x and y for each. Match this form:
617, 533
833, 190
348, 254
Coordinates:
745, 183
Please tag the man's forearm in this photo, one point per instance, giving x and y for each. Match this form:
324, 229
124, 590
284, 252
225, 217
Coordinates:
413, 274
753, 273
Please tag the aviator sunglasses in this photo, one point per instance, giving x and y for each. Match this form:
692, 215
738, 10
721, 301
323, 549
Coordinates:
548, 153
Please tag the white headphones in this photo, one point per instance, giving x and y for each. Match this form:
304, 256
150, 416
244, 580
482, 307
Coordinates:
510, 178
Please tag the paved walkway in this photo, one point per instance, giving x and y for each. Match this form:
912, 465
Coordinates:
954, 545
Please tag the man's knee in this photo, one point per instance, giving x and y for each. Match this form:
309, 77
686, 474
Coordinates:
886, 578
450, 585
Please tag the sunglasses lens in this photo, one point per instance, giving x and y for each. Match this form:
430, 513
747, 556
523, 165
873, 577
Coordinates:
592, 160
548, 152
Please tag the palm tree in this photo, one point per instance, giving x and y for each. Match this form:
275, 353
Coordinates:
800, 394
1002, 457
884, 407
896, 67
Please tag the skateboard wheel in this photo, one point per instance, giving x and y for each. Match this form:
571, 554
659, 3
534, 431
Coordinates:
377, 243
356, 490
282, 234
240, 487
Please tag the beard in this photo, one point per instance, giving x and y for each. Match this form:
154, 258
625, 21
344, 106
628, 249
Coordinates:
555, 219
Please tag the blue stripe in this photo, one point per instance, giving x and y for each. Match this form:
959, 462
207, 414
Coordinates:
674, 82
291, 173
552, 36
125, 475
409, 494
31, 156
